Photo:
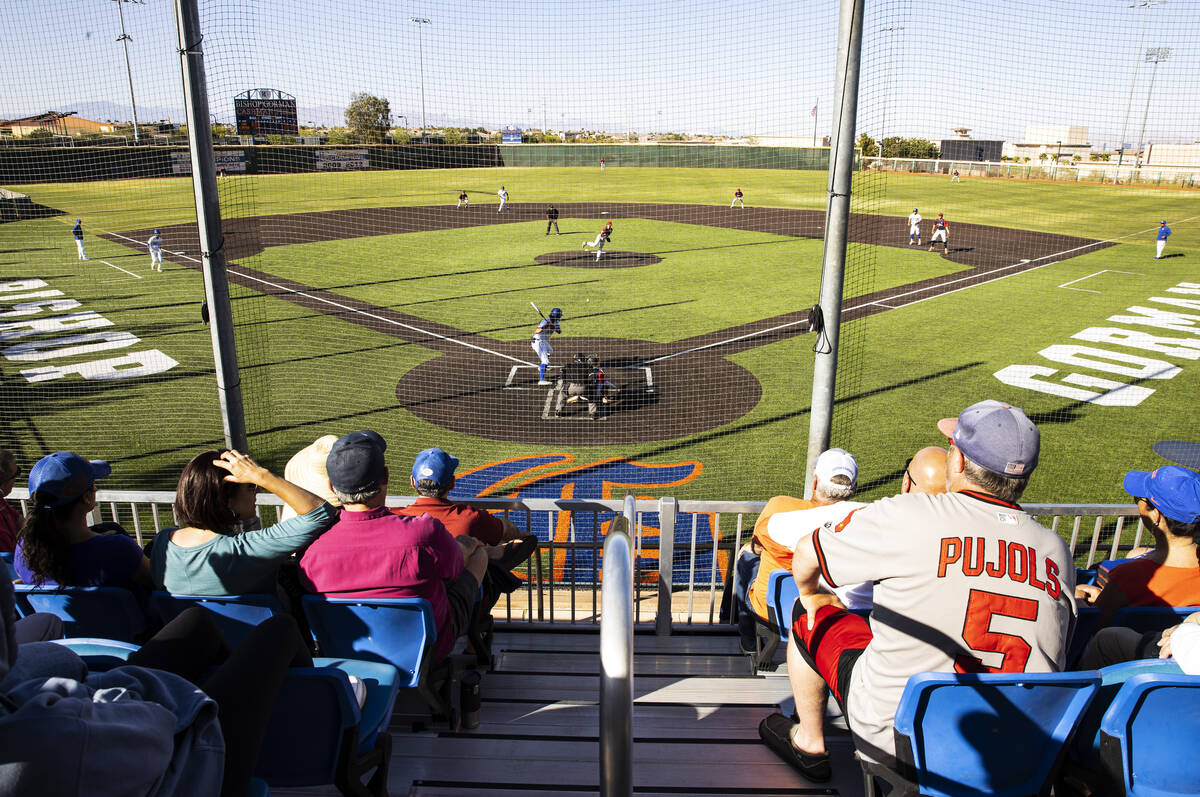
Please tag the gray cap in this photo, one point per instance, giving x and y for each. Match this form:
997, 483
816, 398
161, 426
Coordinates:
996, 436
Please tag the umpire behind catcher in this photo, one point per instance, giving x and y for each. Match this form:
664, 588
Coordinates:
576, 384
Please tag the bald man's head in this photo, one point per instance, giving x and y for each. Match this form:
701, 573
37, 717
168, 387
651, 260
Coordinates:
926, 472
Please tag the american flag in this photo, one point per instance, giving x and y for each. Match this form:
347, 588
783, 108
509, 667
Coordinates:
814, 110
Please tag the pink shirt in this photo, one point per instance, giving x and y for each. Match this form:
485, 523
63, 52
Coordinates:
376, 554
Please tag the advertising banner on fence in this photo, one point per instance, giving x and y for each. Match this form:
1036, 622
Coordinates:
232, 161
341, 159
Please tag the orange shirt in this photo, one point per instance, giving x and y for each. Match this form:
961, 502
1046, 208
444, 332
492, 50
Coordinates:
1147, 583
774, 555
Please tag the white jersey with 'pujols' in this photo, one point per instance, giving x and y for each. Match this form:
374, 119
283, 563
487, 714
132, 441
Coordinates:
963, 582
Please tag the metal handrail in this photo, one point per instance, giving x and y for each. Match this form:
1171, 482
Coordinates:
616, 659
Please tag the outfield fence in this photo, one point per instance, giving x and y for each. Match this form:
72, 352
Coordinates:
679, 580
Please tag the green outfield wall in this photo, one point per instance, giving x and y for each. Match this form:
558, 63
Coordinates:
692, 156
23, 165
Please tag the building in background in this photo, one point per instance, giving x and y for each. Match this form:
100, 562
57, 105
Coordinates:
1172, 155
964, 148
55, 122
1063, 141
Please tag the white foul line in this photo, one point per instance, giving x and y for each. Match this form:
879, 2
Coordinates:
349, 309
118, 268
1089, 276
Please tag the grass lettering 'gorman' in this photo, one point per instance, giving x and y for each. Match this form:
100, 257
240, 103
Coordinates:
1014, 561
26, 300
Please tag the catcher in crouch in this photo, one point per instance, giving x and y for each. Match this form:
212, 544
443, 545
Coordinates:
577, 383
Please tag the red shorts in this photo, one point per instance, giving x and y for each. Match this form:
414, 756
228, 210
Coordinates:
833, 645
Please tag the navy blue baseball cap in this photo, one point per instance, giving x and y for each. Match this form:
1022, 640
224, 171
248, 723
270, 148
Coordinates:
1172, 490
435, 465
62, 477
996, 436
355, 461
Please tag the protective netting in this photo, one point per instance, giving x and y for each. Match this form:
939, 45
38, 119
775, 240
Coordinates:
367, 294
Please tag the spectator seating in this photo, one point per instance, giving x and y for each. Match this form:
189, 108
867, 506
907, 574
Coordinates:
1151, 618
1145, 735
1085, 748
318, 735
398, 631
235, 614
105, 612
998, 734
781, 597
99, 654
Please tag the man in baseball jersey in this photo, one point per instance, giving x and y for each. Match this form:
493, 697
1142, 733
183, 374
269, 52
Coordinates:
601, 239
541, 342
965, 581
954, 177
503, 194
552, 219
737, 199
462, 199
1164, 232
940, 230
914, 227
77, 231
576, 384
154, 245
602, 164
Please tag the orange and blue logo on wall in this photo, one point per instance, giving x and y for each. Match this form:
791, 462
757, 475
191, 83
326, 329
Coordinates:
576, 545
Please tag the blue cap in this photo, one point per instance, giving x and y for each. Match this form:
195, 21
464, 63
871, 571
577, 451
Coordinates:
1173, 490
436, 465
996, 436
62, 477
79, 221
355, 461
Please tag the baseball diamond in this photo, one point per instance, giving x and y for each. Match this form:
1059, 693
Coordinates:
477, 366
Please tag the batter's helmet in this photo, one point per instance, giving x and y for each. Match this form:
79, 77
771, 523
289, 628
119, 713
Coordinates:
939, 215
556, 313
914, 210
156, 232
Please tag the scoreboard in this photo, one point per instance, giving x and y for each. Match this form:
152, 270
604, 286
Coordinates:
262, 112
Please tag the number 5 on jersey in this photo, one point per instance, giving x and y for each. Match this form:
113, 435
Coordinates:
1014, 650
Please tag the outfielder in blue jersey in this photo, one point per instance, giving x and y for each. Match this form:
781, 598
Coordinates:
1164, 232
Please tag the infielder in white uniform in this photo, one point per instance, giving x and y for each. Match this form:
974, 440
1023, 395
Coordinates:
914, 227
541, 342
155, 247
503, 194
950, 571
737, 199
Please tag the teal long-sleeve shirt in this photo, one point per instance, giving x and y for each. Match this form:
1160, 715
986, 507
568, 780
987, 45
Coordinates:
234, 564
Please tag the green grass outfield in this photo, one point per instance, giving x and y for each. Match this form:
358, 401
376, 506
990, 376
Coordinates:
307, 373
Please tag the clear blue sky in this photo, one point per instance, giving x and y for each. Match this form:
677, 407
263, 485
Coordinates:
718, 66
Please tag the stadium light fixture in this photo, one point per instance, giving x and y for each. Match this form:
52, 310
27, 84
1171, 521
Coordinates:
1146, 4
419, 21
125, 39
1154, 55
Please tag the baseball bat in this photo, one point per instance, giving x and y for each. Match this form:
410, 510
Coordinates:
535, 307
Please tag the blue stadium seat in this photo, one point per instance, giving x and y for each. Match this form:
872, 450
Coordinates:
105, 612
781, 597
1085, 748
397, 631
235, 614
995, 734
1086, 626
99, 654
318, 735
1145, 735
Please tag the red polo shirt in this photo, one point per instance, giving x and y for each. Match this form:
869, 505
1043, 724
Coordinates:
458, 519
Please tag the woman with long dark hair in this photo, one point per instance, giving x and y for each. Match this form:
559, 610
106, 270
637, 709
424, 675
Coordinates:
56, 546
209, 553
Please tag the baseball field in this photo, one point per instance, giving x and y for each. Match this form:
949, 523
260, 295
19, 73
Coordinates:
368, 300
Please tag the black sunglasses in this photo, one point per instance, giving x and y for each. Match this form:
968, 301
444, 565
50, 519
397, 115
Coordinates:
1149, 503
907, 472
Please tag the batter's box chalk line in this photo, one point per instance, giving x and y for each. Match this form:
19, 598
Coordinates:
511, 382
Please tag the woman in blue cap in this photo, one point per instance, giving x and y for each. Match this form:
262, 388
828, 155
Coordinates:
56, 546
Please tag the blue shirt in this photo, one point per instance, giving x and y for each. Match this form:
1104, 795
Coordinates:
106, 560
78, 230
1163, 232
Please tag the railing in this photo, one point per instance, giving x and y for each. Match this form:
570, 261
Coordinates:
616, 659
679, 578
1062, 171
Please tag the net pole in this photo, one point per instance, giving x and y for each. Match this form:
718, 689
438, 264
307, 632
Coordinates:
208, 222
837, 220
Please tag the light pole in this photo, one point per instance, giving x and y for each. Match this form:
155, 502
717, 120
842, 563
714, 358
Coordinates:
1146, 4
1153, 55
125, 39
421, 48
